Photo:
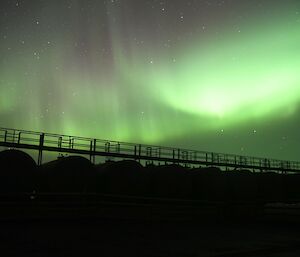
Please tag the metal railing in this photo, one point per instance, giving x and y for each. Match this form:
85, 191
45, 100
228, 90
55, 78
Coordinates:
41, 141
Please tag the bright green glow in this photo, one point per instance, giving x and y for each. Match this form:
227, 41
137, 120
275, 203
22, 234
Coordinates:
233, 77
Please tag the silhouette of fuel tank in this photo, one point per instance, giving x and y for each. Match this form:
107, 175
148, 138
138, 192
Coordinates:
125, 177
72, 174
169, 181
208, 184
18, 172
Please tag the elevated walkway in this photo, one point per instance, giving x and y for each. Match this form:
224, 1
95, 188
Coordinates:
40, 141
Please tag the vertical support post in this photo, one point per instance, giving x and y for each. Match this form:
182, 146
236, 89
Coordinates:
19, 137
91, 150
107, 147
227, 161
118, 147
59, 142
41, 145
94, 150
14, 136
149, 151
135, 152
140, 150
5, 135
71, 142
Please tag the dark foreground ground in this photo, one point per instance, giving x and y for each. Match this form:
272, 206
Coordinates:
123, 209
116, 237
110, 225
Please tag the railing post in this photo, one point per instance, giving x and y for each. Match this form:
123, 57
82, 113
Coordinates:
71, 142
41, 145
14, 136
59, 142
118, 147
19, 137
184, 155
149, 151
94, 150
140, 150
5, 135
91, 150
226, 160
245, 162
107, 147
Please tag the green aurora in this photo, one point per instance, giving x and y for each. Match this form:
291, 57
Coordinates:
228, 83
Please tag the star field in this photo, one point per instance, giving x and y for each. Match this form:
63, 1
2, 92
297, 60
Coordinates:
216, 75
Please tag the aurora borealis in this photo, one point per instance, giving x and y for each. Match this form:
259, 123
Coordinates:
216, 75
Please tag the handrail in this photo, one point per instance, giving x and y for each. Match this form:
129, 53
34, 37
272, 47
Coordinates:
59, 142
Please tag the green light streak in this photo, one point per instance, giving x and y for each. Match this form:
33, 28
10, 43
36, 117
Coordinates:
237, 77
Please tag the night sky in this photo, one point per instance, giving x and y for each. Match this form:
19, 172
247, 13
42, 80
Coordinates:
221, 76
